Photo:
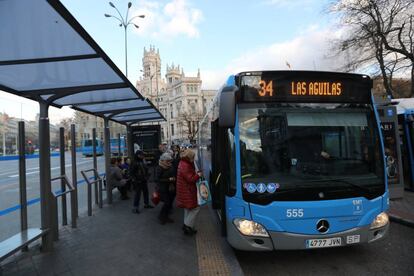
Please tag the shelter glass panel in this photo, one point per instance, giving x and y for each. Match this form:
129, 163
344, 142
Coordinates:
61, 74
97, 96
115, 105
38, 32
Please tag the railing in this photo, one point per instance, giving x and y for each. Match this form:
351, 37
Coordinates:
48, 198
56, 195
98, 187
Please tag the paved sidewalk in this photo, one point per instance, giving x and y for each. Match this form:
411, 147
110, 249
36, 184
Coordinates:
114, 241
402, 210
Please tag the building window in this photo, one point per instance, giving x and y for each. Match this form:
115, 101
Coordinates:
172, 111
172, 129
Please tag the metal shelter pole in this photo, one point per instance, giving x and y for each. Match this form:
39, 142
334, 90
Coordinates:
22, 177
63, 172
95, 162
74, 194
107, 144
119, 144
130, 143
45, 183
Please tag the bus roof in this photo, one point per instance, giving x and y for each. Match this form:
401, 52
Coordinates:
403, 104
343, 74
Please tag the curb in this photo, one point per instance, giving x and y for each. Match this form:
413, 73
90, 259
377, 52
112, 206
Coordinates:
229, 255
401, 220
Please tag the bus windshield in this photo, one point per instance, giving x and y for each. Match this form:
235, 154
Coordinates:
309, 152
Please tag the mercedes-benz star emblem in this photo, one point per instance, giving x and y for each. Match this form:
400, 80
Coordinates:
322, 226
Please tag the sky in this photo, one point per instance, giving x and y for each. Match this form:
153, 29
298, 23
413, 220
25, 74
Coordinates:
218, 37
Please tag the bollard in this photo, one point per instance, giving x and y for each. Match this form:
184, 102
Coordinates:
63, 172
100, 193
44, 175
55, 219
74, 193
89, 199
22, 179
130, 144
95, 162
119, 145
107, 143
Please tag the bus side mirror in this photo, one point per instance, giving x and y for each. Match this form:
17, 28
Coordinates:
227, 108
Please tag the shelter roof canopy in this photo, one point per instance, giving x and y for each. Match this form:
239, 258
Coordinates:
47, 56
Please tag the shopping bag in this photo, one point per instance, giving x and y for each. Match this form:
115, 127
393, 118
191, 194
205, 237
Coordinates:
203, 192
155, 197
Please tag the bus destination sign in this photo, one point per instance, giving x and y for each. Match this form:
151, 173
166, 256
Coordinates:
304, 88
265, 87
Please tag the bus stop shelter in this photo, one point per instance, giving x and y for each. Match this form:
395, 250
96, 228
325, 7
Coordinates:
48, 57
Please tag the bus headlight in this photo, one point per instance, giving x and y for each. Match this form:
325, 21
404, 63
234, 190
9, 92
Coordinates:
250, 228
380, 221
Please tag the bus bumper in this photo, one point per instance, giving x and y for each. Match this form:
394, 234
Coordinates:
292, 241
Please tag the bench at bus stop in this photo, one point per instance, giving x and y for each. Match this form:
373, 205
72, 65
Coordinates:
18, 242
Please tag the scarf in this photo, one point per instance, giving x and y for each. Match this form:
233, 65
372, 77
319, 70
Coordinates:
165, 164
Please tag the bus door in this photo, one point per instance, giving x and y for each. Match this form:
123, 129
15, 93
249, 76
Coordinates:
219, 178
407, 148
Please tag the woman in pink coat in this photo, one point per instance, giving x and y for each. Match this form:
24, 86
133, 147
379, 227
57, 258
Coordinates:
187, 190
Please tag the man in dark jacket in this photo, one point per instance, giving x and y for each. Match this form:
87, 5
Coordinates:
139, 175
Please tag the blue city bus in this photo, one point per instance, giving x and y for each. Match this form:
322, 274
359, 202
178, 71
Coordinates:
87, 147
295, 160
115, 146
406, 126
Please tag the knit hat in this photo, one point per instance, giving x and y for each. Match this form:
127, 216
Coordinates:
165, 156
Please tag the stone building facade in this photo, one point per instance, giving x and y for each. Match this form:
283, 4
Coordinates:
9, 133
85, 123
178, 97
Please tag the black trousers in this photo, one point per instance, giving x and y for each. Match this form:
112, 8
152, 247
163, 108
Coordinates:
123, 190
141, 188
168, 199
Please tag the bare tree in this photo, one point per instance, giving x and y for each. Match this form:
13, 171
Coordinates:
190, 124
380, 35
66, 123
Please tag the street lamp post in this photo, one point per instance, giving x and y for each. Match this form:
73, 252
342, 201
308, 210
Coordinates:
124, 22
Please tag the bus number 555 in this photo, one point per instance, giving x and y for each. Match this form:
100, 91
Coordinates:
294, 213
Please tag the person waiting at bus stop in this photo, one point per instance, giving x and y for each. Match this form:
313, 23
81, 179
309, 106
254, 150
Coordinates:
165, 178
139, 175
116, 179
187, 190
125, 171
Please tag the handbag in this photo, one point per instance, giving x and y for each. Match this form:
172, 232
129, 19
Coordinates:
155, 197
203, 192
